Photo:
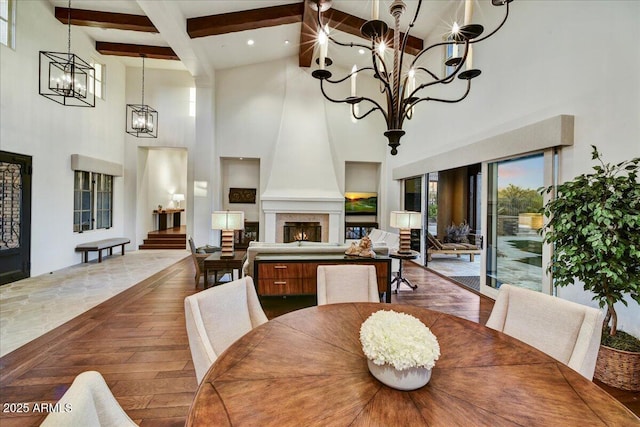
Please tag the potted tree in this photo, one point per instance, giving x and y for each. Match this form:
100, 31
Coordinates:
594, 225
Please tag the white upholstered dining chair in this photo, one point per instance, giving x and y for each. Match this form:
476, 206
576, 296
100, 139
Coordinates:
567, 331
217, 317
88, 402
347, 283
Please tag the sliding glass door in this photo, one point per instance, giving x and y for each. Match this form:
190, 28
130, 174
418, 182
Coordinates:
514, 244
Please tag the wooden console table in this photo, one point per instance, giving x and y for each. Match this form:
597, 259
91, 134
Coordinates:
162, 217
277, 275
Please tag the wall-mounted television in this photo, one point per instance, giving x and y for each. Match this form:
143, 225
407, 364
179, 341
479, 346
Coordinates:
360, 203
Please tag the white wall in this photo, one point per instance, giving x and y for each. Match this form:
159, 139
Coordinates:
36, 126
551, 58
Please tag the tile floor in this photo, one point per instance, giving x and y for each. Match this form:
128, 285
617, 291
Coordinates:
31, 307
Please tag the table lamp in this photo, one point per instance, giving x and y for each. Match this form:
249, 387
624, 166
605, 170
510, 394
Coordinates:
228, 222
405, 221
178, 198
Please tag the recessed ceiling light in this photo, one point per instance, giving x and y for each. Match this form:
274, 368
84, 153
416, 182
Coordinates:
250, 42
286, 42
361, 51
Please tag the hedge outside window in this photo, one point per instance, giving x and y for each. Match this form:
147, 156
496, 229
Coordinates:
92, 201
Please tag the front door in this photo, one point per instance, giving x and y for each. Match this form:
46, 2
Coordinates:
15, 217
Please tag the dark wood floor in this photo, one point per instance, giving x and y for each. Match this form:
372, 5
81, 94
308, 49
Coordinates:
138, 341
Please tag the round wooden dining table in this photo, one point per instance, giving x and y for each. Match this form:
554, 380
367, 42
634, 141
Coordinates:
307, 368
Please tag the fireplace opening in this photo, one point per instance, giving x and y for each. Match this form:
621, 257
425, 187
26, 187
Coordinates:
302, 231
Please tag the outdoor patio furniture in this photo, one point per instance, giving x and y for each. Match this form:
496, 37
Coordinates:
437, 247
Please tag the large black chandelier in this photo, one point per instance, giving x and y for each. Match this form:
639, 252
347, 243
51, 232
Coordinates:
65, 77
399, 86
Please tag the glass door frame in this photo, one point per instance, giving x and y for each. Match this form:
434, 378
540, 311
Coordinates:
551, 161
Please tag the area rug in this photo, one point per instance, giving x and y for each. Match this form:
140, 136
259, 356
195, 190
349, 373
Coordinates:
472, 282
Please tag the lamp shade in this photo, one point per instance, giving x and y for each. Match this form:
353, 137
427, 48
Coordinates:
405, 219
227, 220
178, 197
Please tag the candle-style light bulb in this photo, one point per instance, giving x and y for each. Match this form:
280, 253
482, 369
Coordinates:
375, 9
353, 80
468, 11
454, 31
412, 81
381, 49
323, 41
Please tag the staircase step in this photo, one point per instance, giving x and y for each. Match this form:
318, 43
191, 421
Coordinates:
157, 235
164, 240
163, 246
153, 240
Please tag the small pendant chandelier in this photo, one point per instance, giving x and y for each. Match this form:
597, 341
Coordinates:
142, 120
65, 78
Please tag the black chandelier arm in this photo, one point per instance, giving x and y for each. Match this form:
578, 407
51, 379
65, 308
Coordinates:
365, 114
405, 39
358, 100
426, 49
385, 81
349, 75
506, 15
428, 72
446, 80
408, 107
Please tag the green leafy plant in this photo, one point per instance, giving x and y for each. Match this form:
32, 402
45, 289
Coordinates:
594, 224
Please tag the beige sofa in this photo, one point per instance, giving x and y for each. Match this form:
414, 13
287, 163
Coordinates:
383, 242
299, 248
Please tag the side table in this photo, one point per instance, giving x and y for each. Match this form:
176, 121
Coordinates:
216, 263
399, 279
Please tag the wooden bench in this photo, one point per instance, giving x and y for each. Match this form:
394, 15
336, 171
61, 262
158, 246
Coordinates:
99, 245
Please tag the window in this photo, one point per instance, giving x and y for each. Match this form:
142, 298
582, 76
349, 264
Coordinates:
104, 192
97, 75
92, 201
7, 22
192, 102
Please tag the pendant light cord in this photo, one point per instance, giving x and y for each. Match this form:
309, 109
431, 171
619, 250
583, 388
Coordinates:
142, 79
69, 30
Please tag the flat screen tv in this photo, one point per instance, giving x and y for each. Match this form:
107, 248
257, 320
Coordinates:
360, 203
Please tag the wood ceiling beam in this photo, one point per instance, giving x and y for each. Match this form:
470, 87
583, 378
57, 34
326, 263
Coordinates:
224, 23
351, 25
307, 36
341, 21
107, 20
136, 50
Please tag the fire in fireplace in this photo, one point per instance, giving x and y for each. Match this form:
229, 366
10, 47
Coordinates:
307, 231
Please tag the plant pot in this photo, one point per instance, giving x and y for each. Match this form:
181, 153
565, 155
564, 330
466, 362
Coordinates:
407, 379
618, 368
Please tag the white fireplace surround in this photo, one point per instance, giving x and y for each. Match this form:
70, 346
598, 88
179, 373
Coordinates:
304, 209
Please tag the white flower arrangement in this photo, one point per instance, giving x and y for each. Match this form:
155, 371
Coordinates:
398, 339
